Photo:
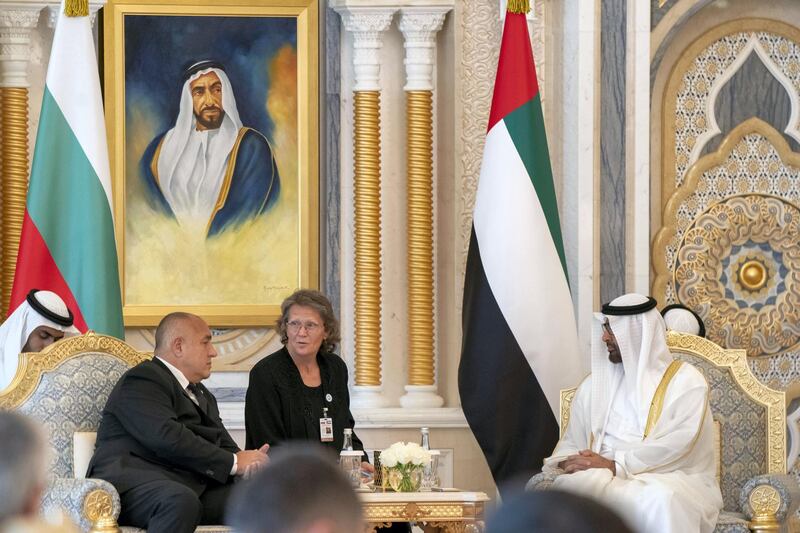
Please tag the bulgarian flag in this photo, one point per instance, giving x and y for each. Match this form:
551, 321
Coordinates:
67, 244
520, 344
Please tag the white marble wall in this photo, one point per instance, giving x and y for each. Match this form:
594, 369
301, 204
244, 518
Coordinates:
613, 99
637, 161
576, 99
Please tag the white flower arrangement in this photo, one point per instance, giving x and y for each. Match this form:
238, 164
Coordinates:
405, 454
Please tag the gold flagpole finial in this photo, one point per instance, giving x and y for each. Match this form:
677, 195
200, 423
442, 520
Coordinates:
519, 6
76, 8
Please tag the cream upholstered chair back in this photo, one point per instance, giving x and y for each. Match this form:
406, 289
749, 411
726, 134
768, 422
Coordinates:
750, 417
66, 386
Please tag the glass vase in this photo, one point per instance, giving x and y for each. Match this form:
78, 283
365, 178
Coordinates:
405, 478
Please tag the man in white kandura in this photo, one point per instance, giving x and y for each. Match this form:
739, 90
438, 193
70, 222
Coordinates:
640, 433
39, 321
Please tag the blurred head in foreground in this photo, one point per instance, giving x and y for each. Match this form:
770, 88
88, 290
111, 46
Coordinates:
24, 460
301, 491
554, 511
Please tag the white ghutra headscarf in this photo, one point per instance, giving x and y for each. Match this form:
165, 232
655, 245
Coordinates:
645, 357
191, 163
18, 327
680, 318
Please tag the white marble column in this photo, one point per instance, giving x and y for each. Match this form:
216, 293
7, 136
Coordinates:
367, 25
420, 26
17, 22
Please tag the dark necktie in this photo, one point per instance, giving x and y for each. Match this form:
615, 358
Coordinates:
202, 402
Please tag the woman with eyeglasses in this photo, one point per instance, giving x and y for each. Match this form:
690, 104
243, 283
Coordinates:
300, 391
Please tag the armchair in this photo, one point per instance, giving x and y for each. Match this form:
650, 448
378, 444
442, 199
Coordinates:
751, 423
65, 387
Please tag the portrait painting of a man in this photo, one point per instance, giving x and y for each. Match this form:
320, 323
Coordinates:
209, 171
212, 107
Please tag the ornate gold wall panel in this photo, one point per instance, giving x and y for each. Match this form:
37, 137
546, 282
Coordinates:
733, 241
702, 68
729, 216
739, 263
480, 31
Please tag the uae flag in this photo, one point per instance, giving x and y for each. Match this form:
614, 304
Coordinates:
520, 344
67, 244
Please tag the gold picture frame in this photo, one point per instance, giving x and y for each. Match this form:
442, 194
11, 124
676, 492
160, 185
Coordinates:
235, 266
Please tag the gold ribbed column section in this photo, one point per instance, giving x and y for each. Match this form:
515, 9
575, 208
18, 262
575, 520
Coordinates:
367, 192
420, 237
15, 157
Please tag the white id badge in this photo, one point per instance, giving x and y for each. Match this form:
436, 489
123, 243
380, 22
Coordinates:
326, 429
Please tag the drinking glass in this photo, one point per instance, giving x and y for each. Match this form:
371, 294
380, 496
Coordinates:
350, 463
430, 473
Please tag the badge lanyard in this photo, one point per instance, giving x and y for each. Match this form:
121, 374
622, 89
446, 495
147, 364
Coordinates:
325, 427
326, 422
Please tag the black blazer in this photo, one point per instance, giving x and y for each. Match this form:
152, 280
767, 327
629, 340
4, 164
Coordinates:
151, 430
274, 410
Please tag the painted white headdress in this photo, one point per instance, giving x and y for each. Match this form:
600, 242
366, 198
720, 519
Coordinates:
180, 181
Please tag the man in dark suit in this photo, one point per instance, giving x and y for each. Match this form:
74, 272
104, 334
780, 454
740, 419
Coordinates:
161, 442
